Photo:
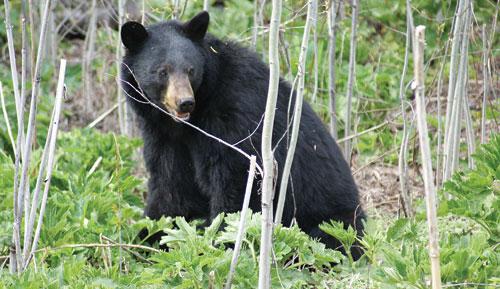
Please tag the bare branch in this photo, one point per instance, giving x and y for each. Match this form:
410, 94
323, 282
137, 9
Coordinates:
241, 227
403, 152
299, 97
332, 108
267, 153
31, 125
50, 159
430, 189
7, 122
351, 79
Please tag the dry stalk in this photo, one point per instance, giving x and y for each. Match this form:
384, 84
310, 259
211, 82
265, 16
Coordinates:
12, 59
332, 107
315, 53
267, 153
430, 189
22, 186
485, 85
299, 98
119, 52
403, 152
351, 79
7, 122
50, 159
456, 87
241, 227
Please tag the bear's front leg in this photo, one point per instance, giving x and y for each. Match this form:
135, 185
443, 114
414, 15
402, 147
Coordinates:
172, 187
222, 178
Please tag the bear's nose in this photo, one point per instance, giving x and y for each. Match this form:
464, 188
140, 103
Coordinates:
186, 105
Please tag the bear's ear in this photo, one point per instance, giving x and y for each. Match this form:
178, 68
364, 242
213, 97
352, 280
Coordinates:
196, 28
133, 35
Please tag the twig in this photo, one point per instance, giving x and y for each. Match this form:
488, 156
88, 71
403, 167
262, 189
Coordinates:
98, 245
138, 256
147, 101
485, 85
30, 219
50, 159
88, 57
439, 149
315, 50
20, 124
332, 108
104, 115
403, 153
12, 58
353, 136
456, 88
175, 11
31, 125
143, 12
299, 96
430, 189
255, 28
351, 79
7, 122
469, 130
120, 102
267, 153
241, 227
459, 93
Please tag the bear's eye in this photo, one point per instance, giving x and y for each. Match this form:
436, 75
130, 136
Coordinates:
190, 71
162, 72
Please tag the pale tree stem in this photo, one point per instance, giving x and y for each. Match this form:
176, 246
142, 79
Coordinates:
143, 12
299, 97
30, 219
51, 157
485, 85
315, 45
267, 152
469, 129
7, 122
119, 52
176, 10
452, 102
403, 152
33, 32
205, 5
430, 189
332, 107
286, 56
351, 79
88, 57
439, 149
12, 58
459, 97
262, 5
241, 228
23, 183
20, 124
255, 29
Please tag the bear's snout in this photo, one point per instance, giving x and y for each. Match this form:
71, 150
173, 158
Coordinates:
179, 99
186, 105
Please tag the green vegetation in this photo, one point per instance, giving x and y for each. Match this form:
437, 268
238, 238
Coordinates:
87, 206
96, 194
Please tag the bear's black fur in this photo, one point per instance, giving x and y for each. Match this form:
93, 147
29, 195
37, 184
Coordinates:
194, 176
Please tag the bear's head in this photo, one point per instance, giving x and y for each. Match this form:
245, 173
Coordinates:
167, 61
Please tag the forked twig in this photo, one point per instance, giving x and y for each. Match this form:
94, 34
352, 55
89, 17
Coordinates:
139, 90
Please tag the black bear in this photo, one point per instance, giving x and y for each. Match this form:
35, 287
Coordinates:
221, 87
